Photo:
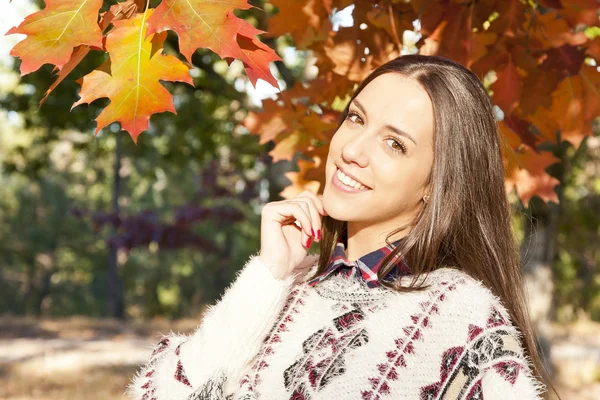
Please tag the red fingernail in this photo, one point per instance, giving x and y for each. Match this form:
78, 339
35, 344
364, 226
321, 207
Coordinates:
319, 234
313, 232
308, 242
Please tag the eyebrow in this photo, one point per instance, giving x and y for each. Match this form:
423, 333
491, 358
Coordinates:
392, 128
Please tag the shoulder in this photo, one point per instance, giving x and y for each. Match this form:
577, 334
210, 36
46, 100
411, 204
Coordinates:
457, 304
470, 294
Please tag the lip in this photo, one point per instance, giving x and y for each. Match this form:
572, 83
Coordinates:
351, 176
341, 186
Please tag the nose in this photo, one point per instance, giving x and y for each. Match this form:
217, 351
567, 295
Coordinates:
357, 150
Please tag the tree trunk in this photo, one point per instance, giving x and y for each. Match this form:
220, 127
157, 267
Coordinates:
115, 287
537, 252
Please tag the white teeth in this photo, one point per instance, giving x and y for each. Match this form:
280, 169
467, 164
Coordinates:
349, 181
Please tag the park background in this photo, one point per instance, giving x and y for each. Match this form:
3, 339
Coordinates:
106, 243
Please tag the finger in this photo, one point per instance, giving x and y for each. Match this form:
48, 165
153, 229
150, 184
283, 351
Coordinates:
285, 209
311, 211
317, 199
312, 207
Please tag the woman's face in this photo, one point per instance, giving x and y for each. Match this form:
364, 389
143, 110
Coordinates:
386, 142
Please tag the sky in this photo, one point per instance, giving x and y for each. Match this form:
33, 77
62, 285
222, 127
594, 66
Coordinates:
11, 14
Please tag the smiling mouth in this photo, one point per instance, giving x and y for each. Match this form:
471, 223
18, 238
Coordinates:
339, 175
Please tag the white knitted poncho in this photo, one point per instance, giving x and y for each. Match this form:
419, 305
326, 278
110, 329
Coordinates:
272, 339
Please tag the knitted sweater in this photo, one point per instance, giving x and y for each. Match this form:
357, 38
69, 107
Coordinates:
283, 339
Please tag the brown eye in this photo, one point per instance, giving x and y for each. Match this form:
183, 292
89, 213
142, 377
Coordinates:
401, 146
356, 117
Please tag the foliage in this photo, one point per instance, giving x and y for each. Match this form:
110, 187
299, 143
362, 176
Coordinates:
65, 30
536, 54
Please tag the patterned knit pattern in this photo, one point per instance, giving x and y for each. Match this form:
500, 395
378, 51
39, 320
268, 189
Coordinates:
343, 340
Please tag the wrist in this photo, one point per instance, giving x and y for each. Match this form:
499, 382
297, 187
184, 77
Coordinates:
273, 269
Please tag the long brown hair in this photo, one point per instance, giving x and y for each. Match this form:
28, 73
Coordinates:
466, 223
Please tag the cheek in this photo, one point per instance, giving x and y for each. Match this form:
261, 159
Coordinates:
405, 179
335, 139
334, 152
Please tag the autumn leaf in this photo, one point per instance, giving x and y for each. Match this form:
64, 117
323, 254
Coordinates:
305, 21
393, 19
118, 11
55, 31
354, 52
254, 55
451, 34
550, 30
310, 128
507, 88
513, 13
577, 12
130, 79
271, 122
298, 183
525, 168
312, 173
575, 103
212, 25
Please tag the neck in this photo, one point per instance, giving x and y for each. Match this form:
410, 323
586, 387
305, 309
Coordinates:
365, 239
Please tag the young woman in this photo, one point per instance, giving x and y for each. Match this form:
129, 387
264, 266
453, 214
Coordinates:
416, 292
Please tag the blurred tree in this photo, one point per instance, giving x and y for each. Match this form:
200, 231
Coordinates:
189, 177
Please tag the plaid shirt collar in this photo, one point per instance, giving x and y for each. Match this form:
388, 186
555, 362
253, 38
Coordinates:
365, 267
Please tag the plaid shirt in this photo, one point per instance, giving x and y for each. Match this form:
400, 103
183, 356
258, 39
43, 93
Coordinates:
365, 267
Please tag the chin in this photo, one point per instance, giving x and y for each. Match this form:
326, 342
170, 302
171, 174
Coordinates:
339, 208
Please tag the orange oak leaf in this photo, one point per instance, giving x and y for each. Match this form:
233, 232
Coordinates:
512, 15
550, 30
349, 58
393, 19
319, 155
305, 21
525, 169
212, 24
130, 79
256, 57
55, 31
272, 121
507, 88
593, 48
449, 36
580, 12
575, 103
480, 42
298, 183
311, 127
118, 11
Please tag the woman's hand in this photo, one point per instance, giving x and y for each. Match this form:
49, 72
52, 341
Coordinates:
287, 230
